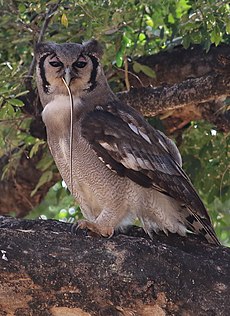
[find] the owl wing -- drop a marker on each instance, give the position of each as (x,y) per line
(132,148)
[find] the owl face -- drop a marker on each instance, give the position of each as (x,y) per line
(77,64)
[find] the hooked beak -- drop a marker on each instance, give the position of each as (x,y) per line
(68,76)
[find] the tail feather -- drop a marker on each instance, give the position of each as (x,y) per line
(202,226)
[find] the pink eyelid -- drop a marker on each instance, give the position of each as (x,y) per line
(54,59)
(81,58)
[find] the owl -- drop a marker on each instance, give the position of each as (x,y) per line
(122,168)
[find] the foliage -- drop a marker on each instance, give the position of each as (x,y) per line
(205,155)
(128,29)
(58,204)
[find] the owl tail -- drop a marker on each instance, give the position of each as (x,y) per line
(202,226)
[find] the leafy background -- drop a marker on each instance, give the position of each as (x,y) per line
(127,29)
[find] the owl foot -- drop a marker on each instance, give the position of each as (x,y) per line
(95,228)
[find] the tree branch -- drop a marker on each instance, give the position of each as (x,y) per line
(179,64)
(45,270)
(151,101)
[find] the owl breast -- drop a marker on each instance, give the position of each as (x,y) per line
(56,114)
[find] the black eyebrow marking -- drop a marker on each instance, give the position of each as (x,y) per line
(93,75)
(45,82)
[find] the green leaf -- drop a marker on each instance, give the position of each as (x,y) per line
(63,214)
(228,27)
(207,44)
(15,102)
(148,71)
(22,8)
(4,90)
(186,41)
(119,58)
(137,67)
(126,42)
(182,7)
(171,18)
(46,177)
(64,20)
(142,37)
(35,147)
(7,111)
(22,93)
(216,36)
(149,21)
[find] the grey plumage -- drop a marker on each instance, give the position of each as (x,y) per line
(123,168)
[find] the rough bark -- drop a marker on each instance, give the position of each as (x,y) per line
(151,101)
(192,99)
(46,270)
(176,65)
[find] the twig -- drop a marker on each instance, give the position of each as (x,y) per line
(131,73)
(126,73)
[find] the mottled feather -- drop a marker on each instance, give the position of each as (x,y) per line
(143,154)
(122,167)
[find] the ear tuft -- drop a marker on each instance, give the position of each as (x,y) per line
(44,47)
(93,47)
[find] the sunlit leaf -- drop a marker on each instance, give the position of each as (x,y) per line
(64,20)
(216,35)
(142,37)
(126,41)
(171,18)
(15,102)
(149,21)
(119,59)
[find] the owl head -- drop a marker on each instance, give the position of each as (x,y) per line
(78,64)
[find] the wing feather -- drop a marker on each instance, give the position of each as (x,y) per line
(133,148)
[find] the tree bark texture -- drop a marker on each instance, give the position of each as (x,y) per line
(151,101)
(178,64)
(46,270)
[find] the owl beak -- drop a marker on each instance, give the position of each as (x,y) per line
(67,76)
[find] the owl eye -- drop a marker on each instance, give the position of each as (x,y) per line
(56,64)
(79,64)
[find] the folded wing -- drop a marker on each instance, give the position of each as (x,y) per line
(132,148)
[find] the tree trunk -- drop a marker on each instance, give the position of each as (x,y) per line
(46,270)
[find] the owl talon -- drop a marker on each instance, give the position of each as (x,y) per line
(95,228)
(73,229)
